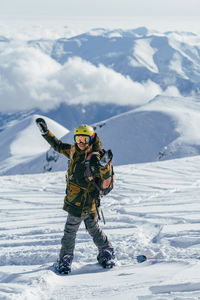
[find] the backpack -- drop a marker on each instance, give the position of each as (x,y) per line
(106,182)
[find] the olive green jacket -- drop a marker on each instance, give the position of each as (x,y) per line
(80,193)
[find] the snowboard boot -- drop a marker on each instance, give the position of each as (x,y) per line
(106,258)
(64,265)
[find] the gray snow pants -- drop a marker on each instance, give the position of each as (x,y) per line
(92,226)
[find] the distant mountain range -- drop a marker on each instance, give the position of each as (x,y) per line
(171,58)
(168,59)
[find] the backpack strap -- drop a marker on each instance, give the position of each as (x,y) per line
(89,171)
(91,179)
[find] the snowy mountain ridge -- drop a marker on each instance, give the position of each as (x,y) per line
(165,128)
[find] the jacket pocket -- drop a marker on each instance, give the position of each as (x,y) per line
(73,188)
(73,194)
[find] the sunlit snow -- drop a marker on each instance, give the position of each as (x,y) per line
(153,210)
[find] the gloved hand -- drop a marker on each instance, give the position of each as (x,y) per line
(42,125)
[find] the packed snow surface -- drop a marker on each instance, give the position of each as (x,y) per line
(153,210)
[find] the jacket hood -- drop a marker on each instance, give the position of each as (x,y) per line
(96,145)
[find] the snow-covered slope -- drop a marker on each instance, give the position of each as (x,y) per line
(69,116)
(165,128)
(21,142)
(153,210)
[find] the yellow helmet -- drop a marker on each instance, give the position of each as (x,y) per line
(85,130)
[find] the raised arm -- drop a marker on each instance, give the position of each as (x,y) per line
(55,143)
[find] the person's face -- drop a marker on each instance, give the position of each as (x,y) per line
(82,141)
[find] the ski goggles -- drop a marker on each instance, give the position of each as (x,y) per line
(85,139)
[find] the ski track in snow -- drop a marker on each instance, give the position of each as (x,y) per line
(153,210)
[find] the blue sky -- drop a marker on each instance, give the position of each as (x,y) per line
(99,7)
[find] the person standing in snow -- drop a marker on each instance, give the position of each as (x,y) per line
(81,194)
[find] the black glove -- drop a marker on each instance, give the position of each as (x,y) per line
(42,125)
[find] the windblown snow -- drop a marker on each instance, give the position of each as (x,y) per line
(153,210)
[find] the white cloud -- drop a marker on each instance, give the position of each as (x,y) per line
(31,79)
(172,91)
(86,83)
(24,73)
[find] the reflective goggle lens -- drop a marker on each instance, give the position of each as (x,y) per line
(82,139)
